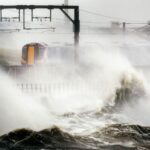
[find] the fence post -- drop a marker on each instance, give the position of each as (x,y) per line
(124,26)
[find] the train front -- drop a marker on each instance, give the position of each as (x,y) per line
(34,54)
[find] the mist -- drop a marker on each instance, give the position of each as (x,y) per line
(18,110)
(87,86)
(103,83)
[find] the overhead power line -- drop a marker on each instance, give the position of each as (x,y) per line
(106,16)
(96,22)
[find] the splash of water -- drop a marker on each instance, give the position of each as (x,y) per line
(102,75)
(18,110)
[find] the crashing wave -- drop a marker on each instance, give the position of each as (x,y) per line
(131,88)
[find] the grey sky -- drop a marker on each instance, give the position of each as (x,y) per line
(128,9)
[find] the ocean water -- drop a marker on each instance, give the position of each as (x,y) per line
(100,102)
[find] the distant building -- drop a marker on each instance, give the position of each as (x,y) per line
(115,24)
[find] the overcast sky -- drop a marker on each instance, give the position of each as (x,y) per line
(138,10)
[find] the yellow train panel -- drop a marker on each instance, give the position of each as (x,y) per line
(31,55)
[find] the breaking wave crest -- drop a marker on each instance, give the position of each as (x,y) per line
(131,89)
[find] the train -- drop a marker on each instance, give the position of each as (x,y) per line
(33,53)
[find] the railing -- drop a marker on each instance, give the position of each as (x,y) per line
(56,88)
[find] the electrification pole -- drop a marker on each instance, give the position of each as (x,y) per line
(66,3)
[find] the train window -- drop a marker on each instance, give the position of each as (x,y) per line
(24,53)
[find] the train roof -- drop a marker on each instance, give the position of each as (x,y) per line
(40,45)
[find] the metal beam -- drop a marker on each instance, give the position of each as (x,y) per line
(24,27)
(76,25)
(50,15)
(19,15)
(66,14)
(37,7)
(31,14)
(1,15)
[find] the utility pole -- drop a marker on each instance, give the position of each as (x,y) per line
(76,31)
(66,3)
(124,26)
(24,21)
(1,15)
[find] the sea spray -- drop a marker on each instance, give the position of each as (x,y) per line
(18,110)
(94,84)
